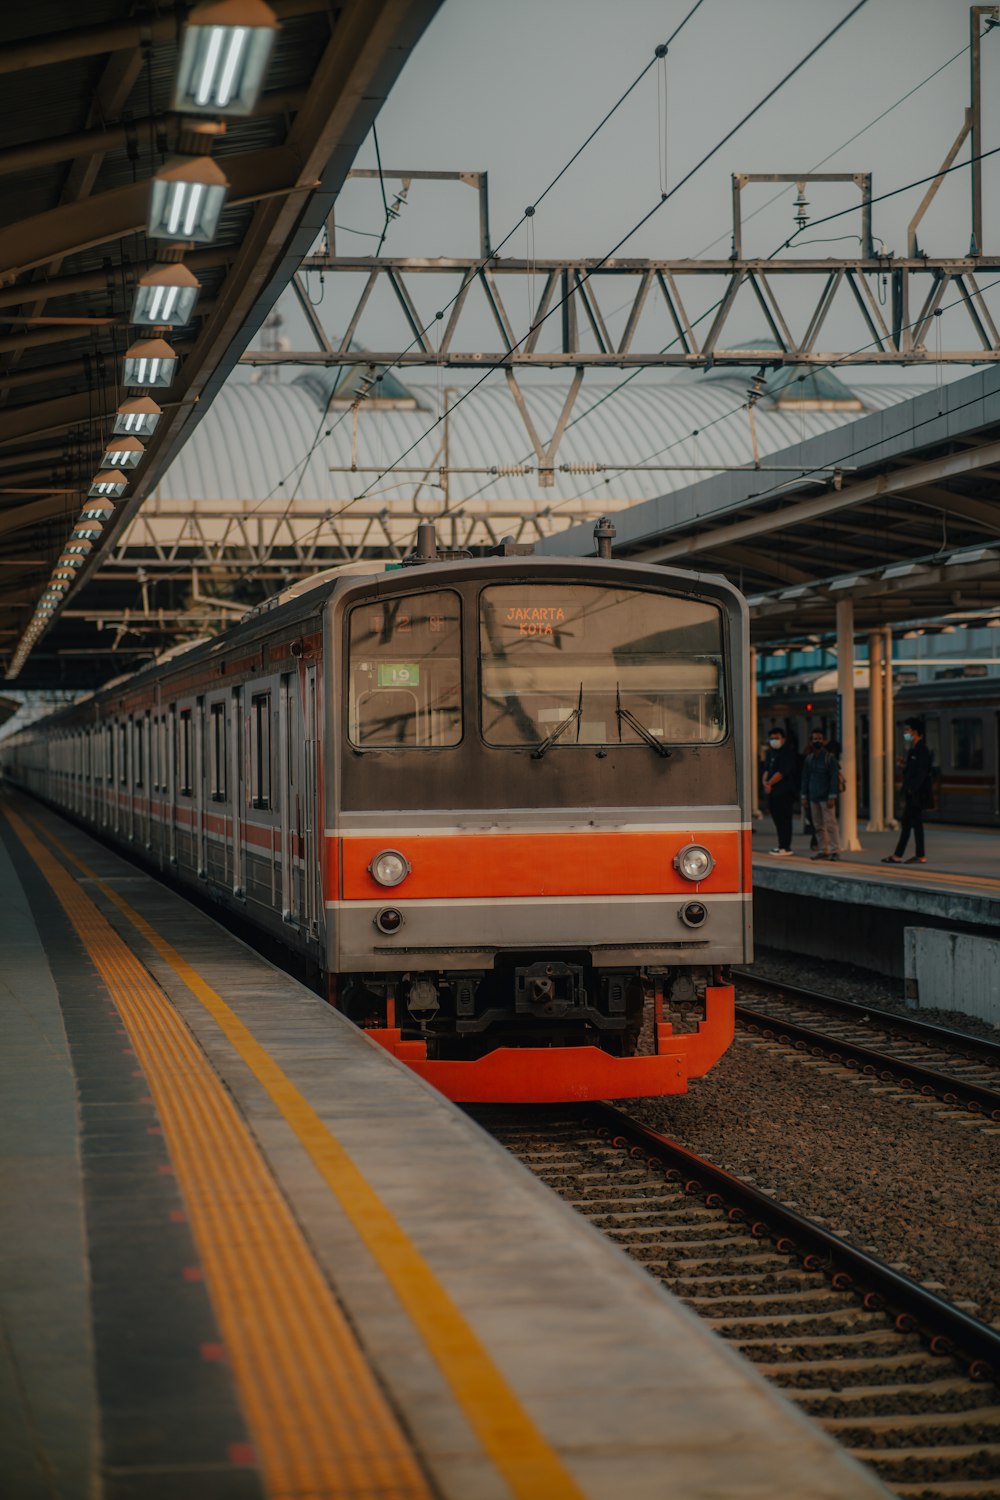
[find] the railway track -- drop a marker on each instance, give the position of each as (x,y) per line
(958,1069)
(906,1381)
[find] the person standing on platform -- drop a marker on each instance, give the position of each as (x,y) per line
(917,793)
(779,786)
(820,785)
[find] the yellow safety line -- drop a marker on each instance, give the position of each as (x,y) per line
(531,1467)
(860,869)
(319,1422)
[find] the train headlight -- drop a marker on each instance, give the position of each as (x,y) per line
(694,862)
(389,867)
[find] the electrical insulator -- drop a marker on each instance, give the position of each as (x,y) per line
(801,204)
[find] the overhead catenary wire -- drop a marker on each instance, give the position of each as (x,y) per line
(665,197)
(627,380)
(659,52)
(813,369)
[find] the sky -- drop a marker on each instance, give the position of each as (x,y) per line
(515,88)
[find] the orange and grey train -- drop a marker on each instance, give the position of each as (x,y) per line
(500,804)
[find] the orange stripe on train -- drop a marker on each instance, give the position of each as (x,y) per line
(485,865)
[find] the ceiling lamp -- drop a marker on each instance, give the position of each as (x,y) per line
(166,296)
(127,453)
(97,512)
(225,50)
(110,483)
(137,416)
(89,533)
(186,198)
(78,548)
(150,362)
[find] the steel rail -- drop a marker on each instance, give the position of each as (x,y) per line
(946,1086)
(911,1306)
(924,1031)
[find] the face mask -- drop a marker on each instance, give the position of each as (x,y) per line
(908,738)
(774,744)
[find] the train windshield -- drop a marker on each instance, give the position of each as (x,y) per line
(562,662)
(406,671)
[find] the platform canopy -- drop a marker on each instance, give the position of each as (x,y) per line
(89,116)
(899,511)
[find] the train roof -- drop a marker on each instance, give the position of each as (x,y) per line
(306,599)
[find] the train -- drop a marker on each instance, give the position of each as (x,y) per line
(498,805)
(961,717)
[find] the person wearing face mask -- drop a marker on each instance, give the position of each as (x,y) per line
(778,781)
(820,785)
(917,789)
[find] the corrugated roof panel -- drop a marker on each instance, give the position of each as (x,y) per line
(257,433)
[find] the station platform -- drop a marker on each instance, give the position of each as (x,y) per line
(796,898)
(246,1253)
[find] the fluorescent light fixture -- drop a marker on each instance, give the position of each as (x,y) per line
(89,533)
(97,512)
(109,482)
(127,453)
(78,549)
(225,50)
(63,575)
(847,582)
(165,297)
(971,555)
(150,362)
(186,198)
(67,561)
(137,417)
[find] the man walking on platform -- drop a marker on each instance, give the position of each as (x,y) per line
(779,784)
(820,785)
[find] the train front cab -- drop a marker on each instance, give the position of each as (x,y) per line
(537,859)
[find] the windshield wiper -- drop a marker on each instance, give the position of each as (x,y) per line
(625,715)
(560,729)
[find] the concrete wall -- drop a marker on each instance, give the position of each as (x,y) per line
(953,970)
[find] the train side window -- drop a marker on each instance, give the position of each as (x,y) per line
(217,757)
(260,750)
(184,753)
(123,754)
(967,748)
(137,753)
(406,672)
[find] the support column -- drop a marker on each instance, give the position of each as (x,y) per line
(889,733)
(876,735)
(847,725)
(754,738)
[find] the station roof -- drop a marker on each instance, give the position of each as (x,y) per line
(85,122)
(897,510)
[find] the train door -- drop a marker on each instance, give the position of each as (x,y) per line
(311,887)
(171,802)
(932,736)
(200,830)
(286,778)
(237,791)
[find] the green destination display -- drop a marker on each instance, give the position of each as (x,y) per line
(396,674)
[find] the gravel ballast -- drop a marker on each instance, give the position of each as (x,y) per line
(898,1176)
